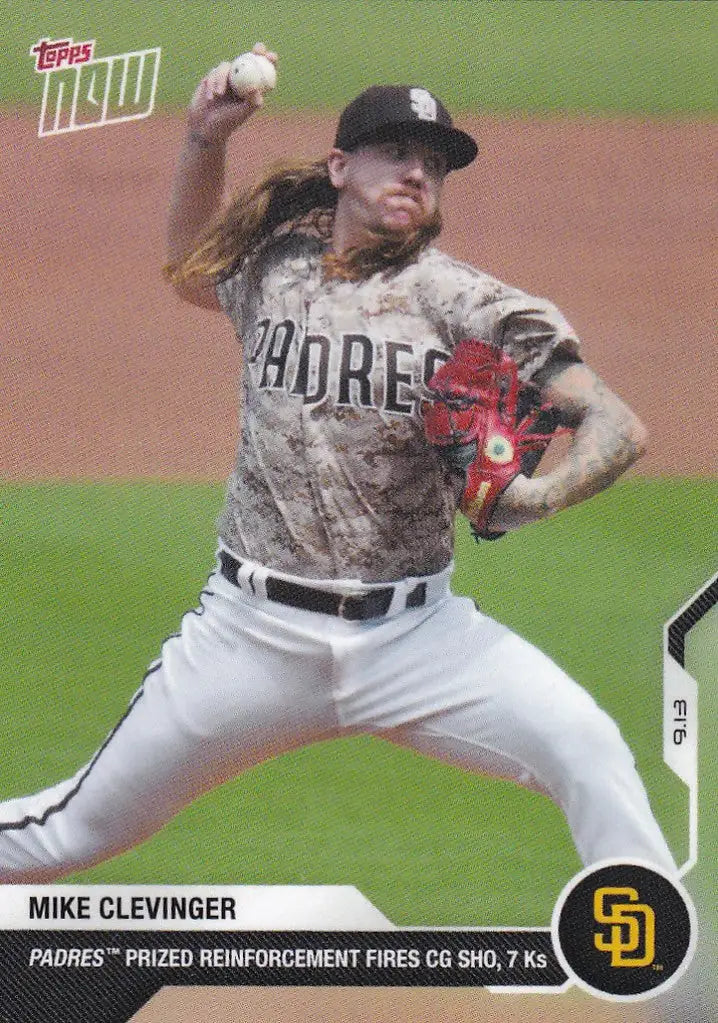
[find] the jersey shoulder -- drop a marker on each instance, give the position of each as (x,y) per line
(282,261)
(472,303)
(447,287)
(447,279)
(433,261)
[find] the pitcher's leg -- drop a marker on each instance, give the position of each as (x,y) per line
(121,796)
(217,702)
(508,710)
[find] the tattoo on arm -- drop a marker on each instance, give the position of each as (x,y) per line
(607,439)
(608,436)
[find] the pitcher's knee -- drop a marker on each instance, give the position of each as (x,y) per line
(589,745)
(40,847)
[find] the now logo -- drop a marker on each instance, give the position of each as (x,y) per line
(81,91)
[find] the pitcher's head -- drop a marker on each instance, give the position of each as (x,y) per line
(394,145)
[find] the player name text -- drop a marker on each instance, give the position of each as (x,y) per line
(133,907)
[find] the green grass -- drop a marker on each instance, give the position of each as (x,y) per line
(702,651)
(650,56)
(95,575)
(702,664)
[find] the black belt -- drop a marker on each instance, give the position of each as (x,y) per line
(356,607)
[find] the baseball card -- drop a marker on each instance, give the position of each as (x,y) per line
(358,488)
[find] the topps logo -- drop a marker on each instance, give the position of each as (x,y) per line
(61,52)
(81,91)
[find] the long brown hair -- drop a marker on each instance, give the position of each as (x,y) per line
(293,196)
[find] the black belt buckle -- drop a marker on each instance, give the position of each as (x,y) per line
(359,607)
(344,609)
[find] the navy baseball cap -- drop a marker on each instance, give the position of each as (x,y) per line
(385,112)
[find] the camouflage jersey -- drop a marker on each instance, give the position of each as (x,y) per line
(334,479)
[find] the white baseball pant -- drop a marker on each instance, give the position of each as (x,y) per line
(248,678)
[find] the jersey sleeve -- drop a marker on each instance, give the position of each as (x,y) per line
(231,295)
(528,328)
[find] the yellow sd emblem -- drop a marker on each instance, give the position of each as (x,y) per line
(631,927)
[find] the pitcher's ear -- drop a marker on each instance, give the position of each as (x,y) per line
(337,164)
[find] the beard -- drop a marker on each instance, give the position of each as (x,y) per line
(386,249)
(404,212)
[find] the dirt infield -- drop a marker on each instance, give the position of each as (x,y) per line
(107,374)
(383,1005)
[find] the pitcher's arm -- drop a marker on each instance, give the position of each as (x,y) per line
(198,185)
(608,438)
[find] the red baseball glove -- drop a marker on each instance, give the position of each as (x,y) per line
(487,425)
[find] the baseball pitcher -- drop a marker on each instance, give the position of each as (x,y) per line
(386,386)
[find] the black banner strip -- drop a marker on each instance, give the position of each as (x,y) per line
(682,625)
(75,976)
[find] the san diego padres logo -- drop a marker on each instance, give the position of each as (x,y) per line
(423,104)
(630,927)
(624,930)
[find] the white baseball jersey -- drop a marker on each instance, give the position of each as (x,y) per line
(334,477)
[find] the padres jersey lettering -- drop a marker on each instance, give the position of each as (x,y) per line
(353,385)
(332,460)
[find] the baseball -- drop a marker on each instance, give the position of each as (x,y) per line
(252,71)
